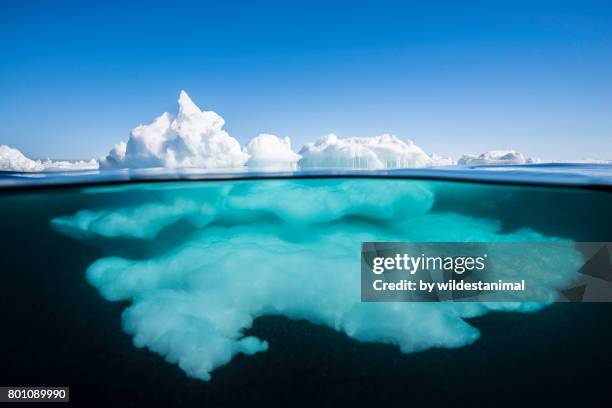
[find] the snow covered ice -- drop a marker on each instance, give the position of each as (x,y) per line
(270,152)
(379,152)
(497,157)
(13,160)
(195,138)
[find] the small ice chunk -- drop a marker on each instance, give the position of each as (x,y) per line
(271,152)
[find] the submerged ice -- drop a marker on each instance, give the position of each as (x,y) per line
(290,248)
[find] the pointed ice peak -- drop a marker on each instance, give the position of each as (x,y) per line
(196,138)
(193,138)
(186,105)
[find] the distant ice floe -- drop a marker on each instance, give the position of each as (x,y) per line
(584,161)
(13,160)
(282,247)
(497,157)
(513,157)
(441,161)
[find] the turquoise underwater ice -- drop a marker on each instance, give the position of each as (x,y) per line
(279,247)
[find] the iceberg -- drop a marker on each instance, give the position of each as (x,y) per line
(194,138)
(378,152)
(496,157)
(247,249)
(13,160)
(270,152)
(441,161)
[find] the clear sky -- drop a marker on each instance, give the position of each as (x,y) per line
(454,76)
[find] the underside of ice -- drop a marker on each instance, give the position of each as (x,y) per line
(13,160)
(289,248)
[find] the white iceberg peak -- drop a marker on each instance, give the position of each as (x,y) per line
(13,160)
(195,138)
(186,104)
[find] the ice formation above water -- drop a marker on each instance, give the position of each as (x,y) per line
(194,138)
(497,157)
(440,161)
(379,152)
(289,248)
(13,160)
(270,152)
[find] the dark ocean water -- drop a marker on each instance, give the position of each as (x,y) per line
(59,330)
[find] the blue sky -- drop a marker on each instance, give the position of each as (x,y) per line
(454,76)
